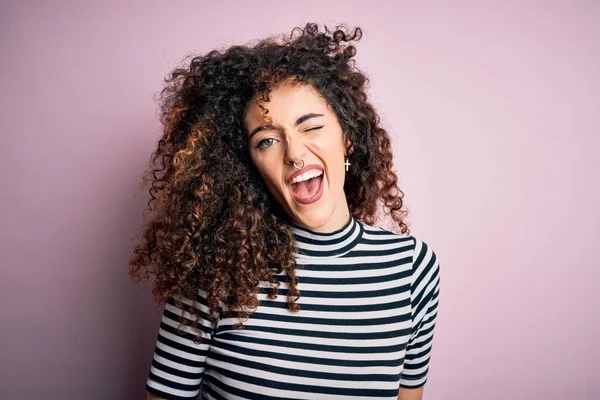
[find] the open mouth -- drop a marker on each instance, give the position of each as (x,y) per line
(307,188)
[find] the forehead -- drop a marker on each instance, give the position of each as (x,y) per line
(286,104)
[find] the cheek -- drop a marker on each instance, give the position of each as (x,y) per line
(336,170)
(269,175)
(260,166)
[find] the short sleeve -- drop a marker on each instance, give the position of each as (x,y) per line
(425,289)
(178,363)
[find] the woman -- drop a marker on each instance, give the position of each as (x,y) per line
(262,238)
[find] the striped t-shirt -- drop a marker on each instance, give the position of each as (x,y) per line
(368,301)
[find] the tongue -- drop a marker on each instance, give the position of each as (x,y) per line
(308,188)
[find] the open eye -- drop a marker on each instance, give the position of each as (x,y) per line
(259,145)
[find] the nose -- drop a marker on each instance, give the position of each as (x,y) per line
(295,152)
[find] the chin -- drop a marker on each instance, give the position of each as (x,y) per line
(314,217)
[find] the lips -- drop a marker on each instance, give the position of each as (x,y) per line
(303,170)
(319,192)
(310,198)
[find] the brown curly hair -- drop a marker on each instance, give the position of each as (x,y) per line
(212,223)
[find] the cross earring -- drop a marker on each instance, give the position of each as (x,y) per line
(347,164)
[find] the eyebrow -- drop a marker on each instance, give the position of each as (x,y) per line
(269,126)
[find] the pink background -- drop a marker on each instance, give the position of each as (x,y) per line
(494,112)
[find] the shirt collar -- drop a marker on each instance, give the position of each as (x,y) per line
(313,244)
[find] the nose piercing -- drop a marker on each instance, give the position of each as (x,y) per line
(299,167)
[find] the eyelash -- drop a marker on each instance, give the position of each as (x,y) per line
(308,130)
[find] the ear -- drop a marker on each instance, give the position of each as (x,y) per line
(349,146)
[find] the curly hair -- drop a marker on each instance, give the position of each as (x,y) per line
(212,225)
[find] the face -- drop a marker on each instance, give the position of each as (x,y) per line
(304,128)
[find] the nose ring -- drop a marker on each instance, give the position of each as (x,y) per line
(299,167)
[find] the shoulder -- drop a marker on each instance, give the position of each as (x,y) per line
(381,236)
(425,283)
(423,258)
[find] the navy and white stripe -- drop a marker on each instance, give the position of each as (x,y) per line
(368,309)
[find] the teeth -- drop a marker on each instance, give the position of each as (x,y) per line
(307,175)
